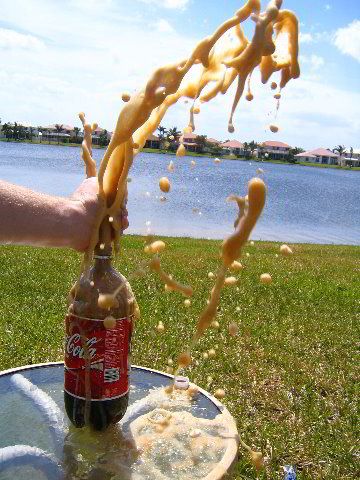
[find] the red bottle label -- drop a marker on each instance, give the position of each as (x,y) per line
(97,359)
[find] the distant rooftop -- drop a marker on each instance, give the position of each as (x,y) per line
(213,140)
(323,152)
(232,144)
(272,143)
(305,154)
(189,136)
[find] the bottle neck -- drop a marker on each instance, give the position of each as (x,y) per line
(103,249)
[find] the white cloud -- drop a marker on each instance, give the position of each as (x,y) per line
(328,7)
(347,39)
(314,61)
(174,4)
(306,37)
(13,39)
(164,26)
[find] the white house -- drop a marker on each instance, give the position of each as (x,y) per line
(233,147)
(350,158)
(275,150)
(319,155)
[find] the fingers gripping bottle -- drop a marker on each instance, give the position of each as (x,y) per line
(97,344)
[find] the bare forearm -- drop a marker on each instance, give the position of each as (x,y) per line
(32,218)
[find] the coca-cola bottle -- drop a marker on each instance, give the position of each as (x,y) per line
(97,346)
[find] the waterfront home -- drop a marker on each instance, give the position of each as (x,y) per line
(233,147)
(98,135)
(319,155)
(274,150)
(152,142)
(211,143)
(351,158)
(190,143)
(51,133)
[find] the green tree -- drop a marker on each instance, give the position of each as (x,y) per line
(246,148)
(294,151)
(59,129)
(7,129)
(31,133)
(351,152)
(103,138)
(341,149)
(76,132)
(201,142)
(252,147)
(162,135)
(173,132)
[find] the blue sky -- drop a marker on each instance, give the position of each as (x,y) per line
(59,58)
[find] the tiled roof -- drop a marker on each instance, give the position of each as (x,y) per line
(323,152)
(64,127)
(232,144)
(271,143)
(153,138)
(305,154)
(212,140)
(188,136)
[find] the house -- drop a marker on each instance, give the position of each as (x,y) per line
(189,141)
(233,147)
(319,155)
(275,150)
(97,135)
(211,143)
(152,142)
(51,133)
(350,158)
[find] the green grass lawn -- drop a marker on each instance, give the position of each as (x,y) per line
(289,374)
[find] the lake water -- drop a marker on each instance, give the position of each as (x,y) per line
(303,205)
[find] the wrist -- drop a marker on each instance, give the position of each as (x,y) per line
(77,227)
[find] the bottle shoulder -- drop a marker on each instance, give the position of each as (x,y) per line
(84,300)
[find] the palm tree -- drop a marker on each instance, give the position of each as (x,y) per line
(351,152)
(59,129)
(162,135)
(252,147)
(76,132)
(173,132)
(246,148)
(341,149)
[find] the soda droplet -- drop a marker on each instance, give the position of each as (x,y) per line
(184,359)
(219,393)
(273,85)
(109,323)
(236,266)
(106,301)
(285,250)
(164,184)
(125,97)
(233,329)
(265,278)
(187,303)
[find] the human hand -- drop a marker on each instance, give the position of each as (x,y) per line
(86,207)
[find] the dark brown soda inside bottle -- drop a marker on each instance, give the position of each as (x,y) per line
(97,359)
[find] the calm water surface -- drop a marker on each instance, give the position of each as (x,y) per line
(304,204)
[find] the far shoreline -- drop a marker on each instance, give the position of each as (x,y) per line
(192,154)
